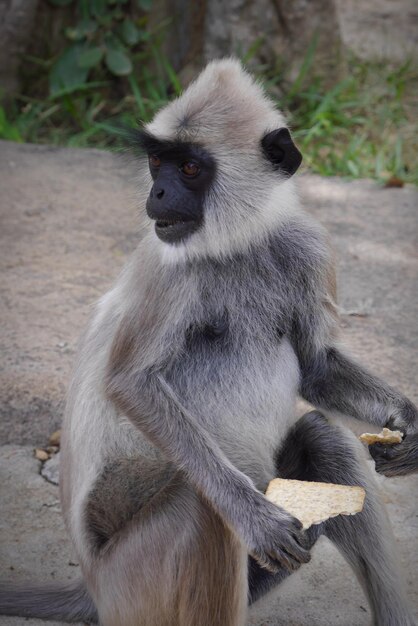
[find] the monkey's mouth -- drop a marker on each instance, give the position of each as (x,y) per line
(175,229)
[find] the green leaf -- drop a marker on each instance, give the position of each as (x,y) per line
(94,85)
(130,33)
(7,130)
(118,14)
(73,34)
(145,5)
(112,42)
(81,30)
(98,8)
(90,57)
(138,96)
(353,168)
(171,74)
(66,72)
(118,62)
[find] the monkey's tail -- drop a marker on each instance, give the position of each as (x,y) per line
(69,602)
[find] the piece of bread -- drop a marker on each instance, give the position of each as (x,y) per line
(386,436)
(312,502)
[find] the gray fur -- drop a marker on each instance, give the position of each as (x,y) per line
(397,460)
(186,386)
(67,602)
(333,381)
(317,450)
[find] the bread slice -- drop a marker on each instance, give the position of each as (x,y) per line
(312,502)
(386,436)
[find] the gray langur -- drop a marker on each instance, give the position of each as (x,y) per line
(182,407)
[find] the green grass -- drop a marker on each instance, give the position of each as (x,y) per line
(364,126)
(90,115)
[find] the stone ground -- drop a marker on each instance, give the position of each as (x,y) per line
(68,221)
(380,29)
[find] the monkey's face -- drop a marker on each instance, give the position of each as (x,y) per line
(183,176)
(182,173)
(220,158)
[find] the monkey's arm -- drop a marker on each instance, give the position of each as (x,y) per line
(273,536)
(333,381)
(330,379)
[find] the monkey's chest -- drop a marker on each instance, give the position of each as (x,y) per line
(241,384)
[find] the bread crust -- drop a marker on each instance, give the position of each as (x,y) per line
(314,502)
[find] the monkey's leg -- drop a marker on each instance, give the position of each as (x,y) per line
(175,563)
(316,450)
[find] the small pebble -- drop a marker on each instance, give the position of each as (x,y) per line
(41,455)
(55,438)
(50,469)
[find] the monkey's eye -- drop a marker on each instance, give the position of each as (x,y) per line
(190,169)
(154,161)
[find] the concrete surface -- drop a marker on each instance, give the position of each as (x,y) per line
(383,30)
(67,223)
(33,540)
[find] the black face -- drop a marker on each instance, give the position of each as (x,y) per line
(182,173)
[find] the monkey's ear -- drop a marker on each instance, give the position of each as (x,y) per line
(281,151)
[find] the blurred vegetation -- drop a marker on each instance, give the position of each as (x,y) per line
(101,79)
(113,72)
(364,126)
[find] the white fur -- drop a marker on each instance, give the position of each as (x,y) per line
(227,111)
(242,228)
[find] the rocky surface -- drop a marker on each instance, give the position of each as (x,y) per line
(50,469)
(68,221)
(379,29)
(33,541)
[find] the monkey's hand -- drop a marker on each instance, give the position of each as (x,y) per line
(402,458)
(273,536)
(404,417)
(396,460)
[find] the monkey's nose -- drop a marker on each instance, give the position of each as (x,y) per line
(159,193)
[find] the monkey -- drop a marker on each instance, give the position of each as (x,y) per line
(182,406)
